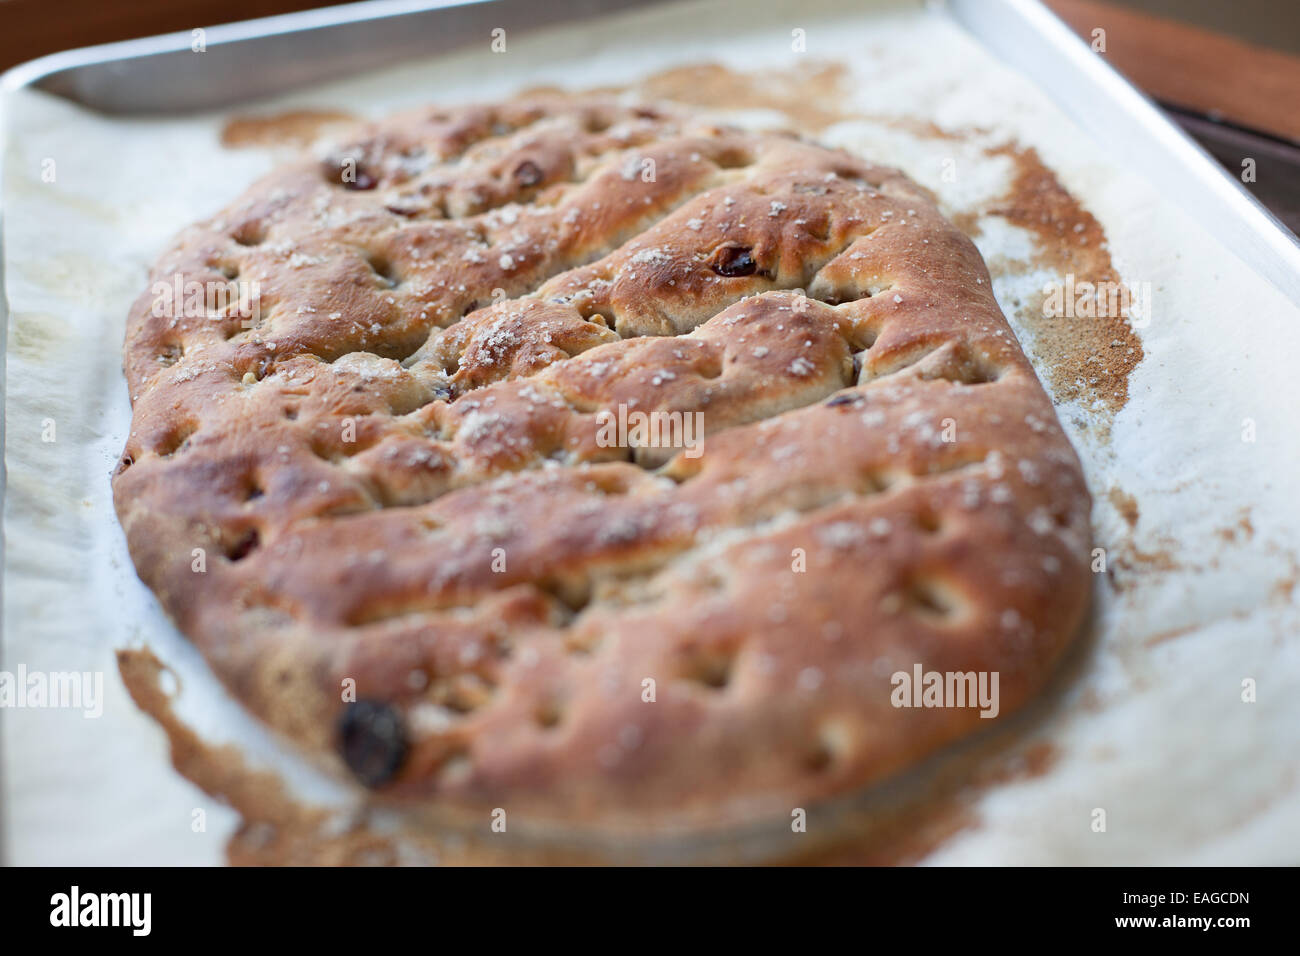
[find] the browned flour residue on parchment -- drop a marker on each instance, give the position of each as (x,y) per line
(294,128)
(1087,358)
(1131,562)
(909,832)
(1241,530)
(1125,504)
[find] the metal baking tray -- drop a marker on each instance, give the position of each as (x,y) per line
(256,58)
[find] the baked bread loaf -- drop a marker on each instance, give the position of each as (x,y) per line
(387,507)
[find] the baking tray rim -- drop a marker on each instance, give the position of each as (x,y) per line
(31,73)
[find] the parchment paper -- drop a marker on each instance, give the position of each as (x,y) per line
(1149,723)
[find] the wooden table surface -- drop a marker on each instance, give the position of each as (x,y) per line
(1239,98)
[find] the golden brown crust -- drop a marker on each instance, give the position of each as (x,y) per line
(396,475)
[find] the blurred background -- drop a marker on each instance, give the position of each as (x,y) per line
(1227,70)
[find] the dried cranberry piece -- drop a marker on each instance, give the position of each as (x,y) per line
(734,261)
(372,741)
(849,399)
(528,173)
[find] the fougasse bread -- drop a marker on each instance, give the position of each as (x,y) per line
(401,505)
